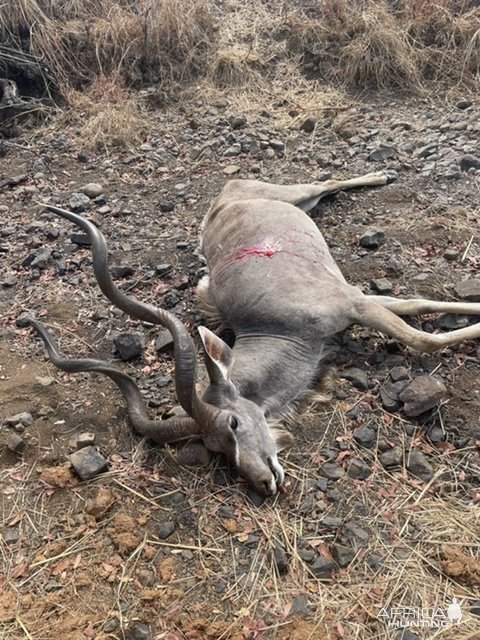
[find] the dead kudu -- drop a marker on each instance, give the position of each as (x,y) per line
(274,284)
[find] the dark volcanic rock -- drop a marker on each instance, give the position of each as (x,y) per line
(372,239)
(358,470)
(391,458)
(128,345)
(419,466)
(323,568)
(281,559)
(422,394)
(365,436)
(332,471)
(342,554)
(357,377)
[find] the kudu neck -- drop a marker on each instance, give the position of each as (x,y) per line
(272,370)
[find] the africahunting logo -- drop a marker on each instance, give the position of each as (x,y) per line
(430,617)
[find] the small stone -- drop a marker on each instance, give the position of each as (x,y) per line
(233,150)
(9,281)
(469,161)
(122,271)
(451,321)
(307,555)
(309,124)
(358,470)
(468,289)
(92,190)
(365,436)
(301,607)
(79,202)
(372,239)
(24,418)
(323,568)
(128,345)
(382,285)
(40,259)
(422,394)
(45,381)
(139,631)
(399,373)
(164,341)
(88,462)
(11,535)
(231,169)
(85,439)
(391,458)
(255,497)
(357,536)
(165,529)
(382,153)
(331,522)
(166,205)
(389,395)
(419,466)
(464,104)
(182,244)
(281,559)
(278,145)
(237,122)
(111,625)
(342,555)
(194,454)
(80,239)
(451,254)
(357,377)
(15,443)
(332,471)
(163,269)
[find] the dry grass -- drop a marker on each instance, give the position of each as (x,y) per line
(378,44)
(106,115)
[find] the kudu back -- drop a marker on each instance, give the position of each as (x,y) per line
(273,283)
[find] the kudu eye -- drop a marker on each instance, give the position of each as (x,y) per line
(233,423)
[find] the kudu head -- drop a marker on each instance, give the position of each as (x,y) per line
(238,427)
(227,422)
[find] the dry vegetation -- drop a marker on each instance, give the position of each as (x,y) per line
(252,51)
(362,43)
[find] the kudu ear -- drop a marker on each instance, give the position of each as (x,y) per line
(218,357)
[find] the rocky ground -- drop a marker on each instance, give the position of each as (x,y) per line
(382,503)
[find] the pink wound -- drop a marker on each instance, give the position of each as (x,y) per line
(260,250)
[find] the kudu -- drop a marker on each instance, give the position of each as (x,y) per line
(273,282)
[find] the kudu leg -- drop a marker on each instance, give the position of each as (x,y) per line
(417,307)
(304,196)
(369,313)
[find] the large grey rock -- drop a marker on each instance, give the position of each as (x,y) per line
(422,394)
(468,289)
